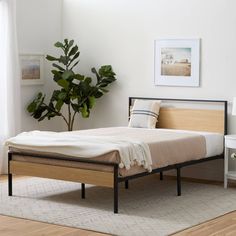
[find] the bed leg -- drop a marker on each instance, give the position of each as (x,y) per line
(161,175)
(178,182)
(82,190)
(9,184)
(126,184)
(115,187)
(9,175)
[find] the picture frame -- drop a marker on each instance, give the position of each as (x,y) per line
(177,62)
(32,69)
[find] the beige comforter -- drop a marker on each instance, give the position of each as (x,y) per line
(166,148)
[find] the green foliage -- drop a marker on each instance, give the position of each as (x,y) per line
(76,91)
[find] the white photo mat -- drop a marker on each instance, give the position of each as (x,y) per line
(177,62)
(31,69)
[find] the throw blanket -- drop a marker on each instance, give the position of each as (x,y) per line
(84,146)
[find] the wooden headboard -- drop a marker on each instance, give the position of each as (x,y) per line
(171,117)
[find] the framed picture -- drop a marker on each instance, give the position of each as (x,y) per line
(177,62)
(31,69)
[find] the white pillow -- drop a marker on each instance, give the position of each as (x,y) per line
(144,113)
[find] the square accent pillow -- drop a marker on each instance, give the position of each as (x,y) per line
(144,113)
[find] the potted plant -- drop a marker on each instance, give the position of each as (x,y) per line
(77,92)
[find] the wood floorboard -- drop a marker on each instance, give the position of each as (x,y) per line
(223,225)
(11,226)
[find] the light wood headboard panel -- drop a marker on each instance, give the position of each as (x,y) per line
(192,119)
(172,117)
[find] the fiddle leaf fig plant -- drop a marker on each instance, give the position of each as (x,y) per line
(75,91)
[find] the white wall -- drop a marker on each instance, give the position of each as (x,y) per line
(122,33)
(38,28)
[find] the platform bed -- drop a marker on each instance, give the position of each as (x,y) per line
(212,120)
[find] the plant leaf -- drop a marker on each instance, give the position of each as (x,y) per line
(73,50)
(96,73)
(59,104)
(92,101)
(84,111)
(32,107)
(57,75)
(63,83)
(54,96)
(64,60)
(59,45)
(78,76)
(74,57)
(58,67)
(51,58)
(98,94)
(39,111)
(62,95)
(88,80)
(106,71)
(70,43)
(74,65)
(66,74)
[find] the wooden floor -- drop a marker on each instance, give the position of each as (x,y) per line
(10,226)
(223,225)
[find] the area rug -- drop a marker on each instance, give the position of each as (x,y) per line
(148,207)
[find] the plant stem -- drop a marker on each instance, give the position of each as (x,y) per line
(64,119)
(69,114)
(73,119)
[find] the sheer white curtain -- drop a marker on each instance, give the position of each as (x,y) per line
(10,102)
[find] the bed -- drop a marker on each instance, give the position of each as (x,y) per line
(191,136)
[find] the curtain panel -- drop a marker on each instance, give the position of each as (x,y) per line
(10,100)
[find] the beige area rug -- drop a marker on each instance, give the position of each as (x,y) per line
(149,207)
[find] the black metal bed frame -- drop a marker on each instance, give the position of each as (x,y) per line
(117,178)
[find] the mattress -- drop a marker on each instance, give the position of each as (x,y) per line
(167,147)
